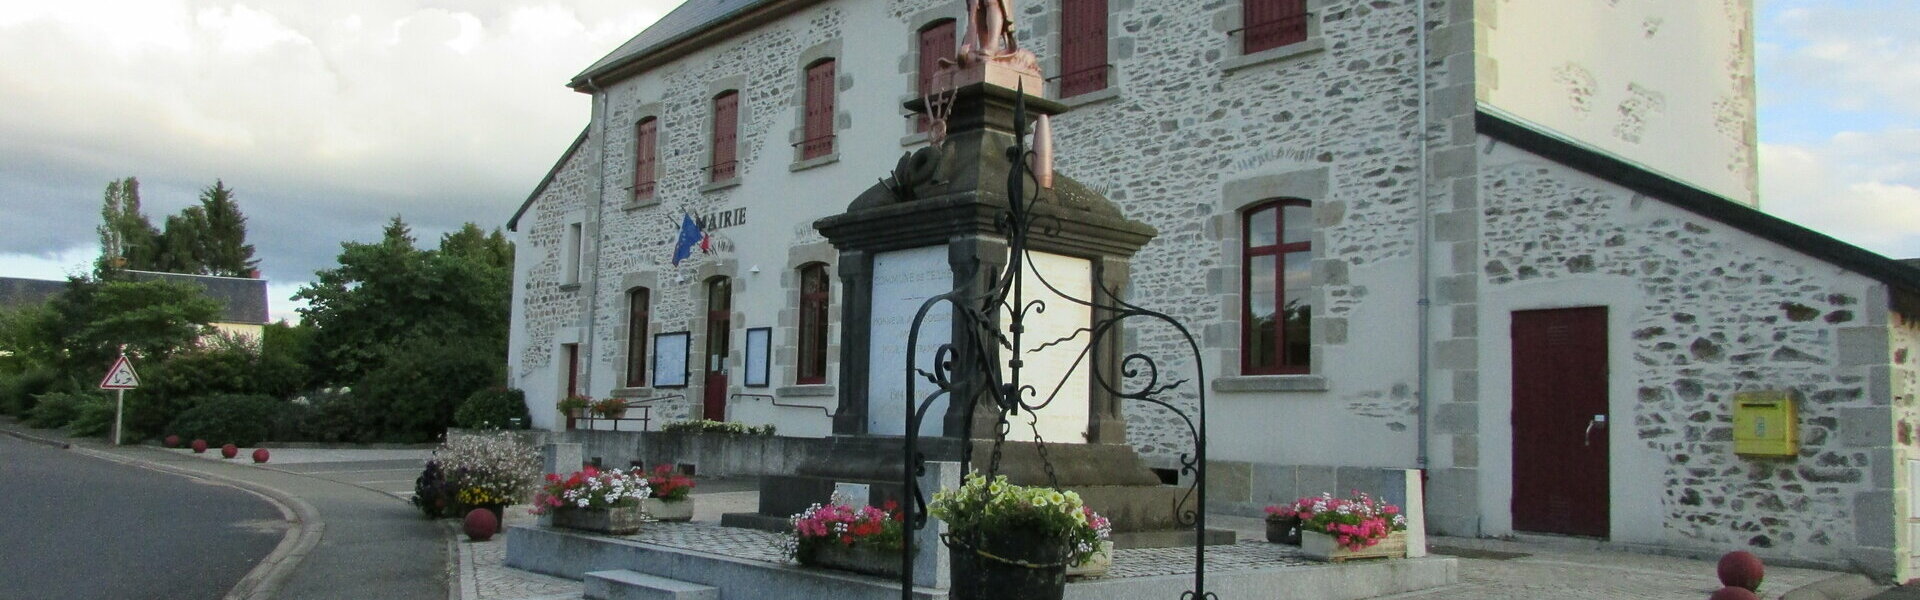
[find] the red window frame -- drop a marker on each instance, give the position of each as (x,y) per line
(1269,24)
(726,127)
(637,308)
(1276,351)
(814,293)
(937,42)
(1083,47)
(646,157)
(817,134)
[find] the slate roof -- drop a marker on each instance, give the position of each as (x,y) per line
(16,292)
(1903,276)
(241,300)
(691,18)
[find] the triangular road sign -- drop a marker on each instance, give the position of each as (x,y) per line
(121,376)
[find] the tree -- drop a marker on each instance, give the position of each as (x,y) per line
(182,244)
(88,322)
(127,239)
(224,249)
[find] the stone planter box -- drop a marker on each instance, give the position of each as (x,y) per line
(1096,565)
(619,520)
(858,558)
(1322,546)
(661,510)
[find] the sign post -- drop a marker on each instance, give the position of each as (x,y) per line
(120,378)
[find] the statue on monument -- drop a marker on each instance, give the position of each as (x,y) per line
(990,37)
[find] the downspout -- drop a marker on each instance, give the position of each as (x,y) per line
(1425,244)
(599,200)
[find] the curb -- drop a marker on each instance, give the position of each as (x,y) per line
(38,440)
(1850,586)
(266,578)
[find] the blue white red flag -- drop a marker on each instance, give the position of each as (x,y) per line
(690,235)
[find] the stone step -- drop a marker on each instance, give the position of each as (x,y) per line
(621,584)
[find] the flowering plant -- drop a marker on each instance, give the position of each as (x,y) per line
(839,523)
(710,426)
(669,486)
(591,488)
(488,468)
(572,403)
(1355,523)
(995,506)
(607,407)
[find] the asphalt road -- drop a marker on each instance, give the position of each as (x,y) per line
(72,526)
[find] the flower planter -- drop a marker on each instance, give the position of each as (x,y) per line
(1284,530)
(1010,565)
(1322,546)
(619,520)
(662,510)
(858,558)
(1096,565)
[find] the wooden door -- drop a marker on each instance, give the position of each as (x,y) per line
(572,352)
(719,328)
(1560,421)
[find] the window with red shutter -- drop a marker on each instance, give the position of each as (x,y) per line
(726,125)
(819,123)
(1276,277)
(637,337)
(1269,24)
(813,325)
(646,155)
(936,43)
(1083,46)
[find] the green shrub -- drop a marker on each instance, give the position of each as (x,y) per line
(55,410)
(236,419)
(94,418)
(419,385)
(17,392)
(492,408)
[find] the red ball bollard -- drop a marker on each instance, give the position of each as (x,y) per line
(229,451)
(1742,569)
(199,446)
(172,441)
(480,525)
(260,455)
(1734,593)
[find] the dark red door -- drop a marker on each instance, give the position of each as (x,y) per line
(1560,421)
(719,328)
(572,352)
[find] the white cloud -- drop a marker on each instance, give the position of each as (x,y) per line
(1860,188)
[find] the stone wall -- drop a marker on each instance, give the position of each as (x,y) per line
(1704,312)
(542,308)
(1903,383)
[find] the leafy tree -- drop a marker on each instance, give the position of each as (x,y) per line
(127,239)
(424,380)
(206,239)
(182,244)
(89,321)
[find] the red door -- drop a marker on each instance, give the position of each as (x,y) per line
(572,352)
(719,321)
(1560,421)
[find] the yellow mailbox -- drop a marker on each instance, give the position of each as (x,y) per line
(1765,424)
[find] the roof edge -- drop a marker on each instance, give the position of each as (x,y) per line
(744,18)
(1543,142)
(513,224)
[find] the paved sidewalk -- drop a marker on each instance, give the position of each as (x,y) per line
(348,542)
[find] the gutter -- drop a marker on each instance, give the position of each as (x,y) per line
(599,203)
(1424,306)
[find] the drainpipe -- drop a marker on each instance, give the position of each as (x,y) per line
(1425,247)
(599,200)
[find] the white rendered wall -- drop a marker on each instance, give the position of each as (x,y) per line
(1664,83)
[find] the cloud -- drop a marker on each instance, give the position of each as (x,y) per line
(327,118)
(1861,188)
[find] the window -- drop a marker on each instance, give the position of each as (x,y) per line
(1269,24)
(1083,46)
(813,325)
(637,337)
(818,130)
(570,255)
(936,43)
(1277,263)
(646,157)
(726,124)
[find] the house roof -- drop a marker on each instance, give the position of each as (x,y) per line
(513,224)
(1903,276)
(241,300)
(16,292)
(691,20)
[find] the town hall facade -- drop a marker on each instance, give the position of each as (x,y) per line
(1511,244)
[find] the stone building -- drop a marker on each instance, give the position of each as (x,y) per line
(1462,237)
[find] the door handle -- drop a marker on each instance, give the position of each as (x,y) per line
(1586,439)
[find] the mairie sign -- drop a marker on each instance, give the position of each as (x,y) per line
(121,376)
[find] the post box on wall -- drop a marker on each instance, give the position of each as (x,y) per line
(1765,423)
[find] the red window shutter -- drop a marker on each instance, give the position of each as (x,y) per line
(813,325)
(645,158)
(637,338)
(819,124)
(1083,52)
(936,43)
(726,125)
(1273,23)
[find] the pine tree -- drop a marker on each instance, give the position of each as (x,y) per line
(224,249)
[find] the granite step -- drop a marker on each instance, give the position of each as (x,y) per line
(621,584)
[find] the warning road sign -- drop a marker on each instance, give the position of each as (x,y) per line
(121,376)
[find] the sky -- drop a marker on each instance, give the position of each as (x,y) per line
(328,118)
